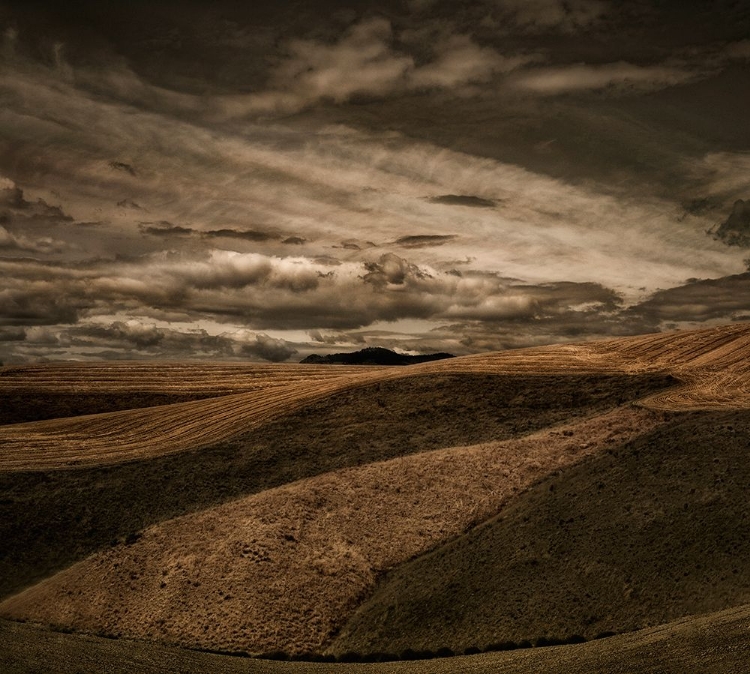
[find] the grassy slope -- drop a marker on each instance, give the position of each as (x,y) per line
(285,569)
(48,520)
(58,390)
(652,531)
(710,644)
(29,405)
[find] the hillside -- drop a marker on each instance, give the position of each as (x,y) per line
(640,535)
(373,355)
(711,364)
(284,568)
(716,643)
(570,489)
(52,518)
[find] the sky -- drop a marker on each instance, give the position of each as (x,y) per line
(262,181)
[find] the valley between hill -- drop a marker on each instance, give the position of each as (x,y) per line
(574,489)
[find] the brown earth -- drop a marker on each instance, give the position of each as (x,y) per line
(712,363)
(50,519)
(285,568)
(716,643)
(639,535)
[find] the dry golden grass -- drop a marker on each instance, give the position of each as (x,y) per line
(161,377)
(285,568)
(133,435)
(714,365)
(708,644)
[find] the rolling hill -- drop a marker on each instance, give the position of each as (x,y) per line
(571,489)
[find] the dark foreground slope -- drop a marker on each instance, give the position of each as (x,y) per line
(710,644)
(647,533)
(50,519)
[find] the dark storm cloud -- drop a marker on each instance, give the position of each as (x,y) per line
(163,117)
(424,240)
(735,230)
(13,334)
(40,304)
(165,228)
(700,205)
(129,204)
(700,300)
(281,293)
(122,166)
(14,203)
(133,339)
(463,200)
(243,234)
(268,348)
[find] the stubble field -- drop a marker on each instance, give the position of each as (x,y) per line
(516,497)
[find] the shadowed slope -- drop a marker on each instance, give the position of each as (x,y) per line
(637,536)
(50,519)
(713,363)
(712,644)
(55,390)
(284,568)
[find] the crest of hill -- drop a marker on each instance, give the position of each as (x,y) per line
(373,355)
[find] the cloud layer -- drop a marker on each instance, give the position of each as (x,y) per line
(426,176)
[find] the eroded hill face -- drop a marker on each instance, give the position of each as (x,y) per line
(300,493)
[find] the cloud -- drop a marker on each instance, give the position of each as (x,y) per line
(130,204)
(122,166)
(164,228)
(539,16)
(617,77)
(14,334)
(45,245)
(391,269)
(365,62)
(424,240)
(12,199)
(735,230)
(738,50)
(696,302)
(243,234)
(136,338)
(461,61)
(268,348)
(463,200)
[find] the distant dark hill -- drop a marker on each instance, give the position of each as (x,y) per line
(644,534)
(372,355)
